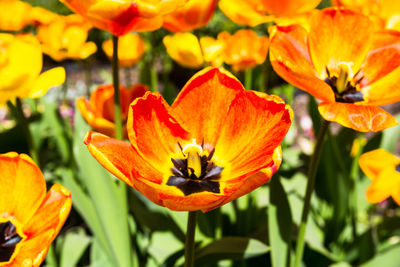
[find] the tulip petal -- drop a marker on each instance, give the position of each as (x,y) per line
(337,36)
(358,117)
(153,131)
(255,126)
(256,180)
(21,196)
(243,12)
(384,185)
(288,7)
(192,108)
(46,80)
(373,162)
(52,213)
(33,251)
(119,158)
(290,58)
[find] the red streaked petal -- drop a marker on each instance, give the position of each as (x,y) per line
(358,117)
(256,125)
(153,131)
(254,181)
(290,58)
(22,186)
(339,35)
(120,158)
(203,103)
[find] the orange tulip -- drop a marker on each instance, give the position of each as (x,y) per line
(14,15)
(343,62)
(254,12)
(195,14)
(99,110)
(122,16)
(244,49)
(65,38)
(386,13)
(383,168)
(215,143)
(29,219)
(131,48)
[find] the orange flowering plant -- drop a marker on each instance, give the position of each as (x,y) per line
(244,49)
(253,12)
(122,16)
(198,154)
(30,219)
(193,15)
(99,110)
(351,81)
(383,168)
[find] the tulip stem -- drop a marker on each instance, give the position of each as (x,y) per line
(117,97)
(248,77)
(189,243)
(19,115)
(311,175)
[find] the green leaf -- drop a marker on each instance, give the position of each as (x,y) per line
(231,248)
(108,197)
(389,257)
(279,224)
(74,245)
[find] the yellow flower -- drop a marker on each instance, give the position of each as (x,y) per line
(187,51)
(20,67)
(65,38)
(14,15)
(130,49)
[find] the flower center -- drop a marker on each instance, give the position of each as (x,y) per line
(398,167)
(195,172)
(344,84)
(9,239)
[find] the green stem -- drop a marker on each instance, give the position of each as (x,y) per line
(19,115)
(353,192)
(248,76)
(117,99)
(153,78)
(189,243)
(311,175)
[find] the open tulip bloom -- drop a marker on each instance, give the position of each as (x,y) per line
(215,143)
(30,219)
(343,62)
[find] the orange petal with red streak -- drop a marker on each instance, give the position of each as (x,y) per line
(290,58)
(339,35)
(192,106)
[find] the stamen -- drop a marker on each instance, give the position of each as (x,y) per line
(398,167)
(9,239)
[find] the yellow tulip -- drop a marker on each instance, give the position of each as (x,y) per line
(130,49)
(14,15)
(20,66)
(188,51)
(65,38)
